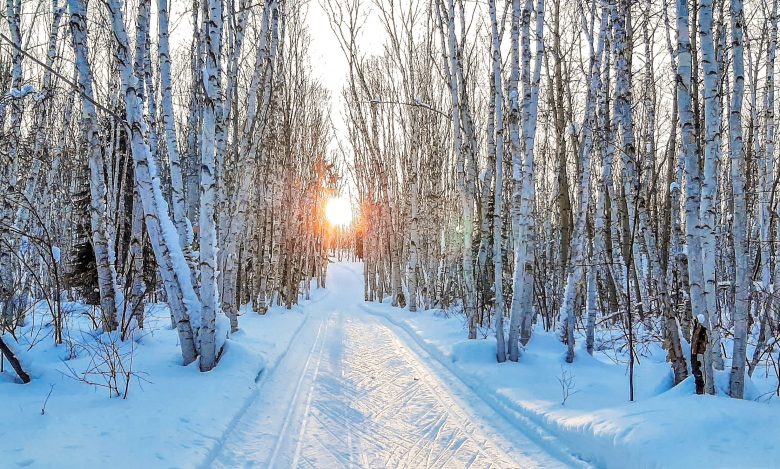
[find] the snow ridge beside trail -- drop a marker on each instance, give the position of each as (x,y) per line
(262,374)
(174,416)
(260,379)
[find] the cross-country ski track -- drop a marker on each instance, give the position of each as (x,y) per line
(353,390)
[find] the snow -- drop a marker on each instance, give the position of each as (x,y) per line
(337,382)
(57,253)
(355,392)
(670,428)
(19,93)
(173,416)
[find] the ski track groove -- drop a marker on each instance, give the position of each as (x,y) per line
(288,415)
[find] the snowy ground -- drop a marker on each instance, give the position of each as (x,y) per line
(338,382)
(358,393)
(665,428)
(174,417)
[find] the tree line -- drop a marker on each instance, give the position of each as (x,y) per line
(577,165)
(137,170)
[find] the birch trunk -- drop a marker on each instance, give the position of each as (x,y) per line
(460,150)
(208,188)
(184,303)
(11,163)
(741,253)
(692,188)
(515,319)
(183,227)
(258,101)
(712,125)
(498,196)
(101,242)
(579,238)
(523,297)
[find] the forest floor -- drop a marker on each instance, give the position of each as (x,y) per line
(337,382)
(583,408)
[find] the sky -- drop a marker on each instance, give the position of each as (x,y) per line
(328,61)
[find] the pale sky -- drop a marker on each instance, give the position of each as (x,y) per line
(328,61)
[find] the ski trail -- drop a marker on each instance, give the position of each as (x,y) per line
(352,393)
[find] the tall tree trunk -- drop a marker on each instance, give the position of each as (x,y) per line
(498,196)
(184,303)
(208,188)
(692,183)
(741,253)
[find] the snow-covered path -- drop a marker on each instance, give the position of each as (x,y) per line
(353,391)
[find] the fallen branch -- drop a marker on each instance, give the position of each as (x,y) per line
(6,351)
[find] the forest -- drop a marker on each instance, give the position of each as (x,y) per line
(563,184)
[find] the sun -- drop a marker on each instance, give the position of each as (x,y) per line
(338,211)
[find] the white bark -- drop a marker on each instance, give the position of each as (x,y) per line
(498,196)
(258,101)
(579,238)
(517,185)
(184,303)
(460,150)
(692,181)
(712,124)
(208,188)
(102,243)
(741,253)
(523,172)
(169,124)
(10,163)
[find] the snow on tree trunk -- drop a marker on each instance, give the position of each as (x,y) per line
(169,125)
(102,243)
(184,303)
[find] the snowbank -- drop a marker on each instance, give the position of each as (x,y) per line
(174,416)
(669,428)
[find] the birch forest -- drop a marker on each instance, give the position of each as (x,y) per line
(603,172)
(607,164)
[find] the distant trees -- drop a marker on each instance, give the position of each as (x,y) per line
(564,165)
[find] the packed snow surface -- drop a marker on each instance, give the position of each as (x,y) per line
(359,393)
(337,382)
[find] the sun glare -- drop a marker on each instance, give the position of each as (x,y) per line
(338,211)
